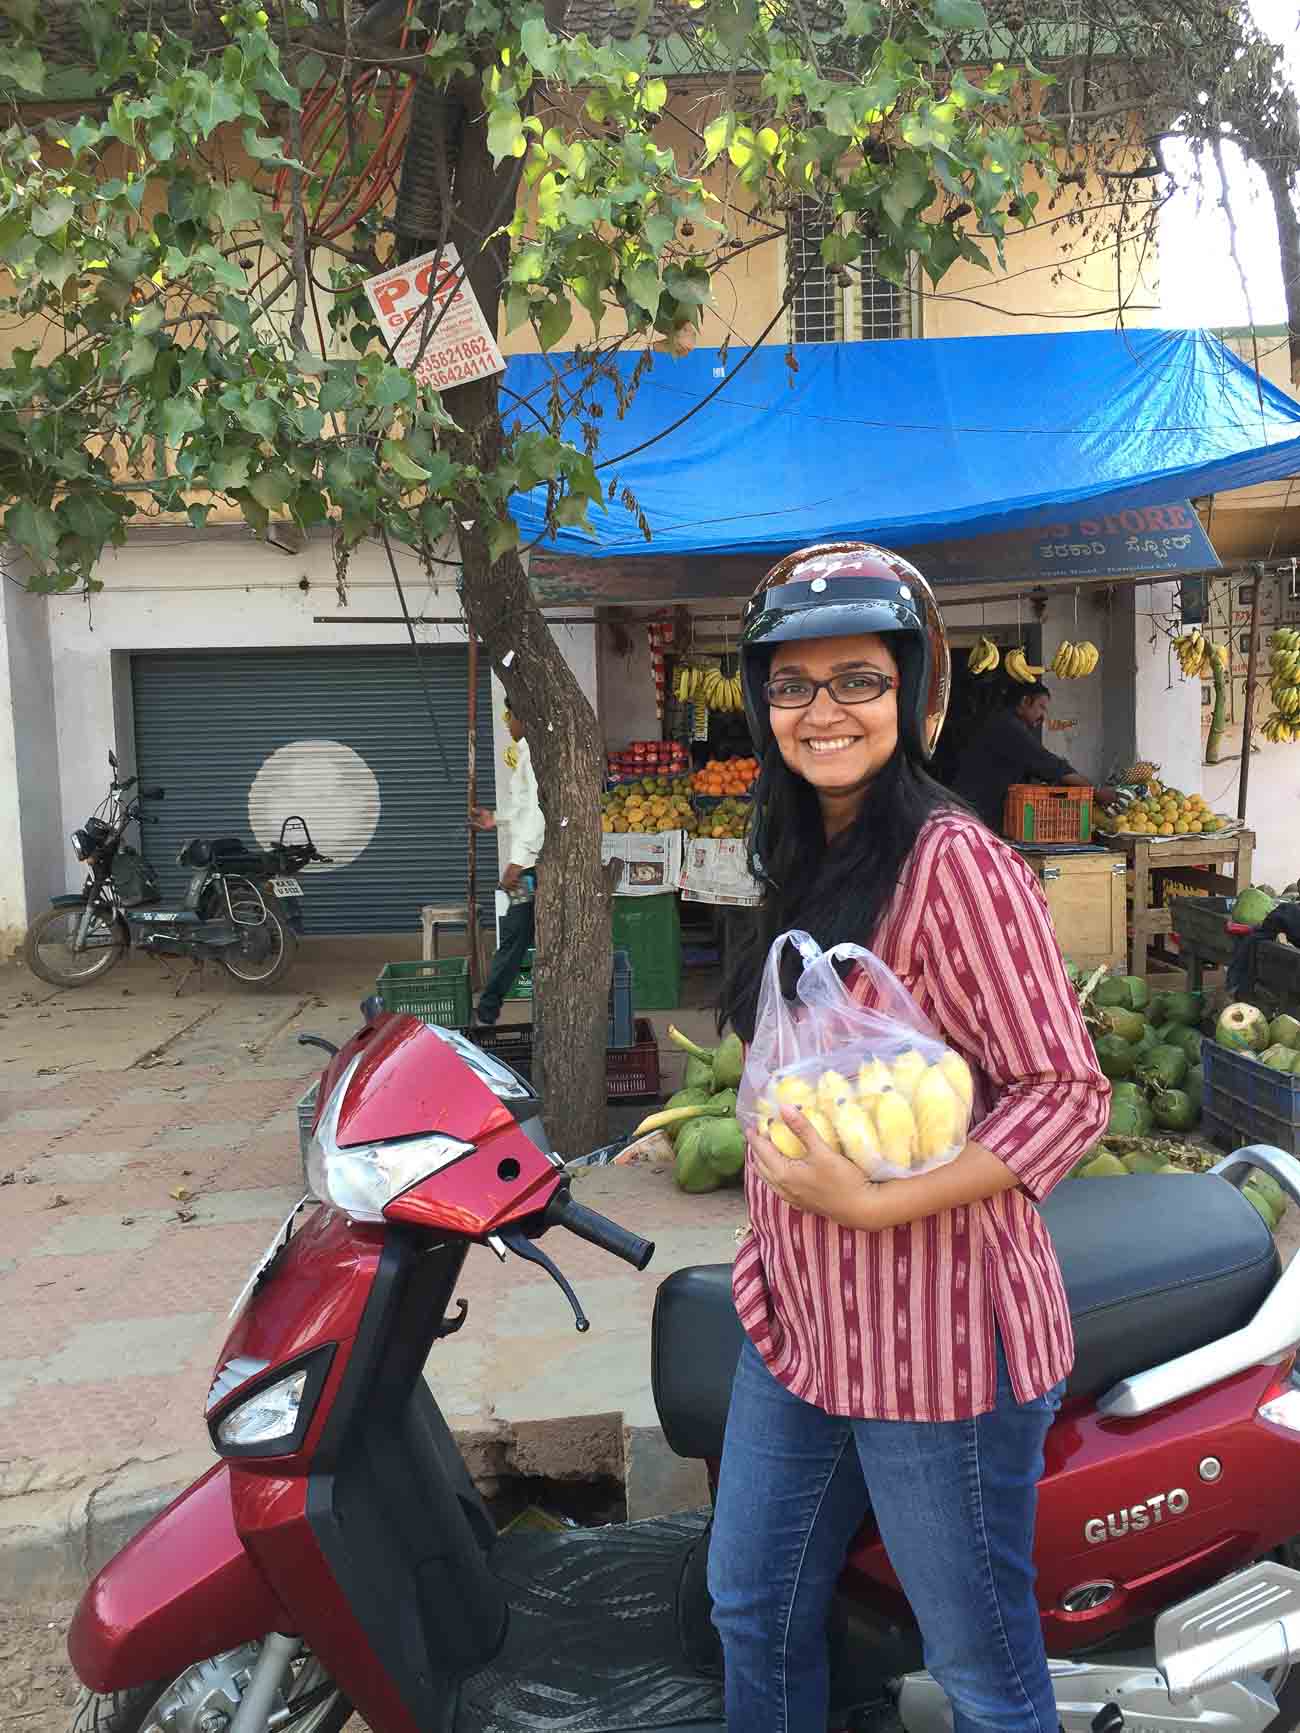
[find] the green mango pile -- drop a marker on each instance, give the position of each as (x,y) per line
(707,1139)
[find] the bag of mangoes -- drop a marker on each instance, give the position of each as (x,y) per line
(879,1085)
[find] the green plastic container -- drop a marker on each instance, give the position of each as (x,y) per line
(649,929)
(436,992)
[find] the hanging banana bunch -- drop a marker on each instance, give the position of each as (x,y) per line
(1074,661)
(708,686)
(1020,670)
(1284,687)
(1195,651)
(984,658)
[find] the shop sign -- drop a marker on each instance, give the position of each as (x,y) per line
(1152,538)
(408,297)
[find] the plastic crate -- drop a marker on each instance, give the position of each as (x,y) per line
(1246,1102)
(1036,812)
(620,996)
(436,991)
(1199,921)
(649,930)
(631,1072)
(1275,971)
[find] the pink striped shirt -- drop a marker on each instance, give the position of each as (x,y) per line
(899,1325)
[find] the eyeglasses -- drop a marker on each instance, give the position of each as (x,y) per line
(860,687)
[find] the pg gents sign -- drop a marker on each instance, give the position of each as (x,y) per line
(427,292)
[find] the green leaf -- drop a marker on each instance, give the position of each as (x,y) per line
(555,318)
(395,385)
(308,70)
(654,95)
(505,134)
(139,359)
(198,515)
(401,464)
(162,143)
(502,536)
(179,416)
(528,266)
(80,135)
(229,470)
(215,103)
(518,307)
(717,135)
(338,392)
(841,249)
(233,204)
(861,17)
(571,512)
(273,488)
(642,284)
(260,148)
(960,15)
(55,214)
(259,417)
(24,67)
(658,230)
(35,528)
(691,288)
(907,187)
(538,44)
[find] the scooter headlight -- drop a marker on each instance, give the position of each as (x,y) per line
(273,1419)
(361,1178)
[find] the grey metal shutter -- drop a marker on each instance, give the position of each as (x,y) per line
(342,737)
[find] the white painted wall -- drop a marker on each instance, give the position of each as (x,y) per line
(627,682)
(178,591)
(29,783)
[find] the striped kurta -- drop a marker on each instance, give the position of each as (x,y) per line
(900,1324)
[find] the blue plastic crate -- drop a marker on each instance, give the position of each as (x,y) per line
(1246,1102)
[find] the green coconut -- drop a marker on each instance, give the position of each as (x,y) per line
(1139,994)
(1138,1161)
(1173,1110)
(1183,1008)
(1284,1031)
(1254,1196)
(1253,905)
(1243,1028)
(1189,1040)
(687,1098)
(729,1063)
(1103,1166)
(1116,1056)
(1125,1119)
(1128,1025)
(1278,1058)
(1112,992)
(699,1074)
(1164,1067)
(1194,1085)
(1126,1090)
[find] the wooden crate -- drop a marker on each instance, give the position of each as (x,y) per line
(1085,893)
(1217,864)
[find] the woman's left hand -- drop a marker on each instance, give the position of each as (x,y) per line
(824,1183)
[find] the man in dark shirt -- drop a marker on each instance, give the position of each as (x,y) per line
(1007,750)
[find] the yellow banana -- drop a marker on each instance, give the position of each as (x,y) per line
(907,1071)
(896,1129)
(1063,659)
(957,1074)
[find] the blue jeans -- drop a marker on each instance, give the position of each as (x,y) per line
(955,1502)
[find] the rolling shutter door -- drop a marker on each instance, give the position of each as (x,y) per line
(241,740)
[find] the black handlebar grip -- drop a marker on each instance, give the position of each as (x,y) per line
(130,782)
(598,1230)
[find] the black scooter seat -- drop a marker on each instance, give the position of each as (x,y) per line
(1154,1265)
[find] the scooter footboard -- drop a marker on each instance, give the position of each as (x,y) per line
(183,1589)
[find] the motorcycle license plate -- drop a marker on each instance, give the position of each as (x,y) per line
(268,1257)
(286,888)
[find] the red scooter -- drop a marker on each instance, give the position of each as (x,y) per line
(338,1555)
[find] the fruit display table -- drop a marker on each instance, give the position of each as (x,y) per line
(1217,864)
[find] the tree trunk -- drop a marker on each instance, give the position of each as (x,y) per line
(571,978)
(1288,238)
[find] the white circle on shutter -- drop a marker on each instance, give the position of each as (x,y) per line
(324,782)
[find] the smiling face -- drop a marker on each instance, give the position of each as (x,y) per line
(838,748)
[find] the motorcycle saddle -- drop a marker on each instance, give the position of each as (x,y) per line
(1154,1265)
(199,852)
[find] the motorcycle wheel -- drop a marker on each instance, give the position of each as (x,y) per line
(57,962)
(208,1687)
(267,952)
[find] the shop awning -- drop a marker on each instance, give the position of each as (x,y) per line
(910,442)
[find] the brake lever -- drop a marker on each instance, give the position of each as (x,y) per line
(523,1247)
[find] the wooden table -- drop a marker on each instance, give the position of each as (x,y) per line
(1217,864)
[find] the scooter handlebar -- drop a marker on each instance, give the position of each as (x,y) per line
(598,1230)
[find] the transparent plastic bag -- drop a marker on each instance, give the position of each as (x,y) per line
(880,1085)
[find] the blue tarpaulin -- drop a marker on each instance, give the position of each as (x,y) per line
(915,442)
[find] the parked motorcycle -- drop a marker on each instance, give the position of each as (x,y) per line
(338,1554)
(241,908)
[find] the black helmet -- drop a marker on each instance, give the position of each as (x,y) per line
(840,589)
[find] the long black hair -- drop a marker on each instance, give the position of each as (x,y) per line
(836,890)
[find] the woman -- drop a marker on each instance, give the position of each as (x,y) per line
(907,1341)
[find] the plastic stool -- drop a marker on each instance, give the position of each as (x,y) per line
(435,916)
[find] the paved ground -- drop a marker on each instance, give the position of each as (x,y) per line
(148,1148)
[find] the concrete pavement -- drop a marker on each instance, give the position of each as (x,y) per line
(148,1148)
